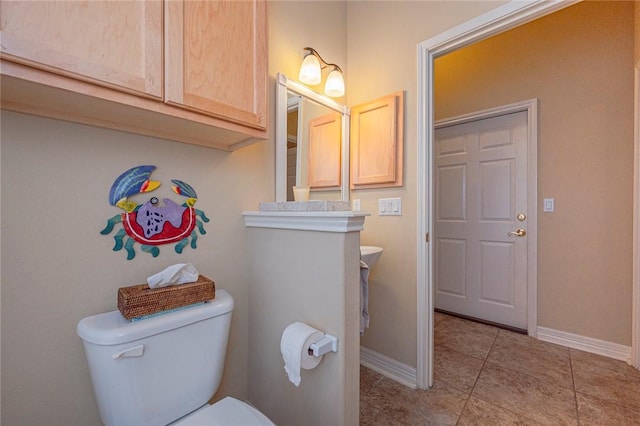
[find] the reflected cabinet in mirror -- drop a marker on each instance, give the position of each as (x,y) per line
(312,143)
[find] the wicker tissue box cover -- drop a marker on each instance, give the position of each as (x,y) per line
(140,300)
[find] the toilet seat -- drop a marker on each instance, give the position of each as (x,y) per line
(226,412)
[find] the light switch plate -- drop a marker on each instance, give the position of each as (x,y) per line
(390,206)
(355,205)
(549,205)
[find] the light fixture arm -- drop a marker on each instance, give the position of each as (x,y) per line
(324,63)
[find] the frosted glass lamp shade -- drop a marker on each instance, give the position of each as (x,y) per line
(334,86)
(310,72)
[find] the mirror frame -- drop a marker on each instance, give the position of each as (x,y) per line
(284,85)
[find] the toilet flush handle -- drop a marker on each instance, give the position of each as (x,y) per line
(130,352)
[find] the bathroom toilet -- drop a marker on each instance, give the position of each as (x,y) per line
(163,370)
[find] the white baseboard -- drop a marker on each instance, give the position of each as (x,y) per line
(389,367)
(583,343)
(406,375)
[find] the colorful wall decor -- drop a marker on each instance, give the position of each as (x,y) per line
(150,224)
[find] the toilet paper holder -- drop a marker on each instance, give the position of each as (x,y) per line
(329,343)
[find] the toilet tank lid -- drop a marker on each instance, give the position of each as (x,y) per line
(112,328)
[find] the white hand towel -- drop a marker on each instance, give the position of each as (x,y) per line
(364,297)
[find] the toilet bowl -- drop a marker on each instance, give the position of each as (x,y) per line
(163,370)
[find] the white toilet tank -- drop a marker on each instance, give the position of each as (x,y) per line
(156,370)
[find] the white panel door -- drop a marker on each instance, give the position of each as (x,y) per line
(480,267)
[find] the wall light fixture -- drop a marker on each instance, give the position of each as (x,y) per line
(311,73)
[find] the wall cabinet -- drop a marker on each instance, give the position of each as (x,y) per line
(377,142)
(216,59)
(191,71)
(116,44)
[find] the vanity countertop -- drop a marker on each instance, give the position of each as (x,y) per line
(326,221)
(305,206)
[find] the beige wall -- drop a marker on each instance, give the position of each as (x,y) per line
(302,289)
(579,63)
(294,25)
(382,54)
(60,269)
(637,33)
(382,51)
(312,277)
(57,268)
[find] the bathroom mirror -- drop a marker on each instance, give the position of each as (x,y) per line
(312,143)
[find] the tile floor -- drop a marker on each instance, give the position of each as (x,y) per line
(488,376)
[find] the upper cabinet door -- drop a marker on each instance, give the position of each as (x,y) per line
(377,142)
(216,59)
(116,44)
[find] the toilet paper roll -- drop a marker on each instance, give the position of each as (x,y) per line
(294,345)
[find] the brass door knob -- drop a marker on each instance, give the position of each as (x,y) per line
(518,232)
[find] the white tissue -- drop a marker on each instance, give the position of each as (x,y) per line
(179,273)
(294,345)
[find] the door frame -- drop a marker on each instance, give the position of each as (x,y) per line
(529,106)
(498,20)
(635,324)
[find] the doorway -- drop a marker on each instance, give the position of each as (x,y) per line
(498,20)
(482,215)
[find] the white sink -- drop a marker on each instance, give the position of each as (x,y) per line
(370,255)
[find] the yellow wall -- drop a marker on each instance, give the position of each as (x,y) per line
(579,63)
